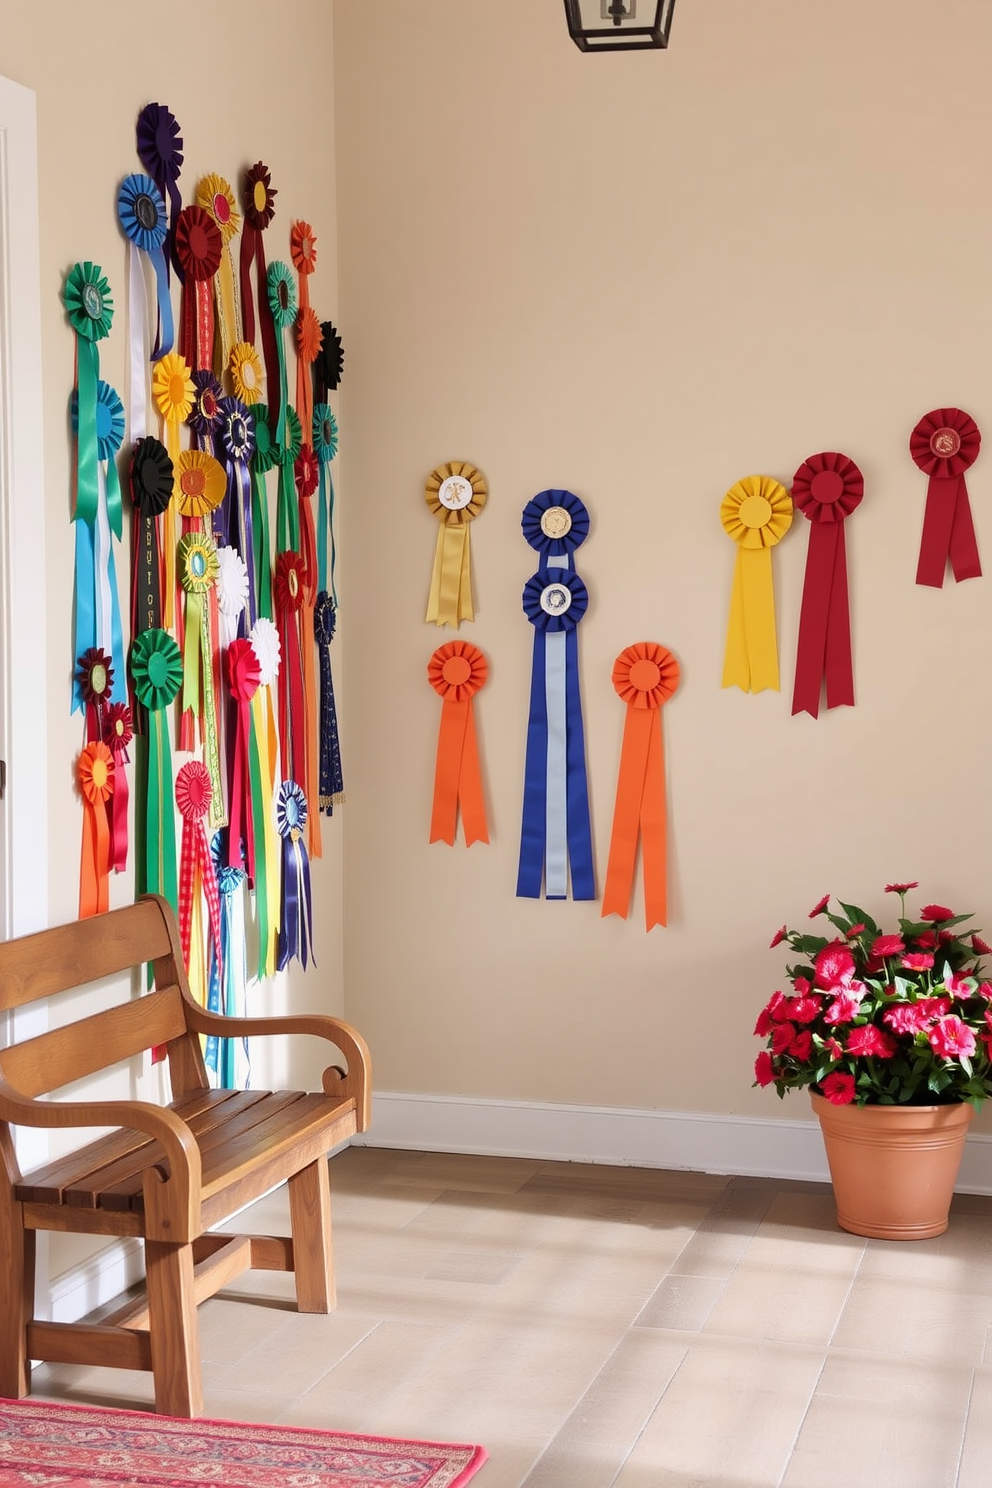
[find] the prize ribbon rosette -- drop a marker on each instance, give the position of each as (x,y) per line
(826,489)
(95,772)
(117,735)
(259,209)
(264,759)
(556,836)
(198,570)
(328,369)
(325,447)
(215,196)
(199,247)
(455,494)
(944,444)
(227,988)
(197,876)
(174,392)
(303,251)
(645,676)
(456,672)
(296,912)
(305,473)
(98,606)
(756,513)
(142,216)
(157,674)
(236,441)
(160,150)
(243,676)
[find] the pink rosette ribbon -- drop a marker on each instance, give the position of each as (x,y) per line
(826,489)
(196,865)
(944,444)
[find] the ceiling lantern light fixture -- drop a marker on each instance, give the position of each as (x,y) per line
(619,25)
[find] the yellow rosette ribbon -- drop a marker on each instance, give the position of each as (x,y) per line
(455,493)
(173,391)
(756,513)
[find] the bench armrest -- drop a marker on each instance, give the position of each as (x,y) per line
(172,1203)
(356,1082)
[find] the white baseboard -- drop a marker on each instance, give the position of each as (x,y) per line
(96,1281)
(736,1145)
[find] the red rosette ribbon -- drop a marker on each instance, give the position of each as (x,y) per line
(95,773)
(196,866)
(95,680)
(118,731)
(244,676)
(456,671)
(199,248)
(826,489)
(645,676)
(944,444)
(289,591)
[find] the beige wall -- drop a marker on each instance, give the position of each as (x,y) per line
(236,104)
(643,277)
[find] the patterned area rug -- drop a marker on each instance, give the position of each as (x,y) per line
(68,1446)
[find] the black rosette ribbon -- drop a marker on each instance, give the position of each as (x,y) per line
(331,776)
(328,368)
(152,477)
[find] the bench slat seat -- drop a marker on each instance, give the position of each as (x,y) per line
(165,1174)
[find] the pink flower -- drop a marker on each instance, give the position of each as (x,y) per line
(952,1039)
(782,1036)
(843,1008)
(935,1007)
(778,937)
(957,984)
(764,1069)
(819,908)
(936,912)
(980,947)
(927,939)
(984,989)
(917,961)
(986,1039)
(854,931)
(803,1009)
(900,888)
(870,1040)
(888,945)
(908,1018)
(802,1045)
(834,966)
(838,1088)
(873,965)
(832,1048)
(803,986)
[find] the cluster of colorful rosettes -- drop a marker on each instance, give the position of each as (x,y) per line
(878,1017)
(233,594)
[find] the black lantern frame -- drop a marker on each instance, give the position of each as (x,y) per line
(615,26)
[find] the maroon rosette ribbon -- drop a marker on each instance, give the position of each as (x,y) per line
(199,248)
(944,444)
(258,201)
(826,489)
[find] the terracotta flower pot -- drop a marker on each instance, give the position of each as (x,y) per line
(893,1168)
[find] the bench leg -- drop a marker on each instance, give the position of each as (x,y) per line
(17,1250)
(173,1328)
(310,1214)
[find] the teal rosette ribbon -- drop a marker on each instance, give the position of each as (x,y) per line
(325,447)
(281,289)
(156,674)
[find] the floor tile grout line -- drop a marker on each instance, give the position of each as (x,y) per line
(964,1428)
(799,1429)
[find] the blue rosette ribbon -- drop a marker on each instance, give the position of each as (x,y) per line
(142,215)
(228,995)
(556,834)
(296,912)
(97,613)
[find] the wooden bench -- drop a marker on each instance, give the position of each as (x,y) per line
(167,1174)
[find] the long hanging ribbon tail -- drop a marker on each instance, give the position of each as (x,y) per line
(292,718)
(137,344)
(457,777)
(268,880)
(249,235)
(556,847)
(310,725)
(948,534)
(450,599)
(84,624)
(751,656)
(117,814)
(814,616)
(331,782)
(234,1066)
(263,826)
(110,635)
(226,304)
(296,919)
(263,555)
(242,827)
(838,664)
(169,536)
(275,366)
(639,809)
(94,861)
(533,830)
(577,794)
(166,333)
(189,885)
(87,453)
(242,533)
(287,512)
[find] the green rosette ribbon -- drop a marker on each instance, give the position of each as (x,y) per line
(265,457)
(325,447)
(90,308)
(281,288)
(288,507)
(157,674)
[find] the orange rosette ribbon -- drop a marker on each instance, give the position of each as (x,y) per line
(95,772)
(645,676)
(456,672)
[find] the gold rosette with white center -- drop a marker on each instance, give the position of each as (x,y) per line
(756,513)
(455,493)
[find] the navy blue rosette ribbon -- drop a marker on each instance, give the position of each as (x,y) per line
(236,444)
(160,150)
(296,912)
(142,216)
(228,995)
(556,835)
(330,778)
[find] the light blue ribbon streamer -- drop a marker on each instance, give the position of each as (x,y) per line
(579,826)
(84,634)
(556,805)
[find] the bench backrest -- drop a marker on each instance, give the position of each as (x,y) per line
(71,956)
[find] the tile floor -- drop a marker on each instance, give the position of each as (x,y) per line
(614,1328)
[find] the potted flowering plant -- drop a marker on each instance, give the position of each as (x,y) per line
(892,1031)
